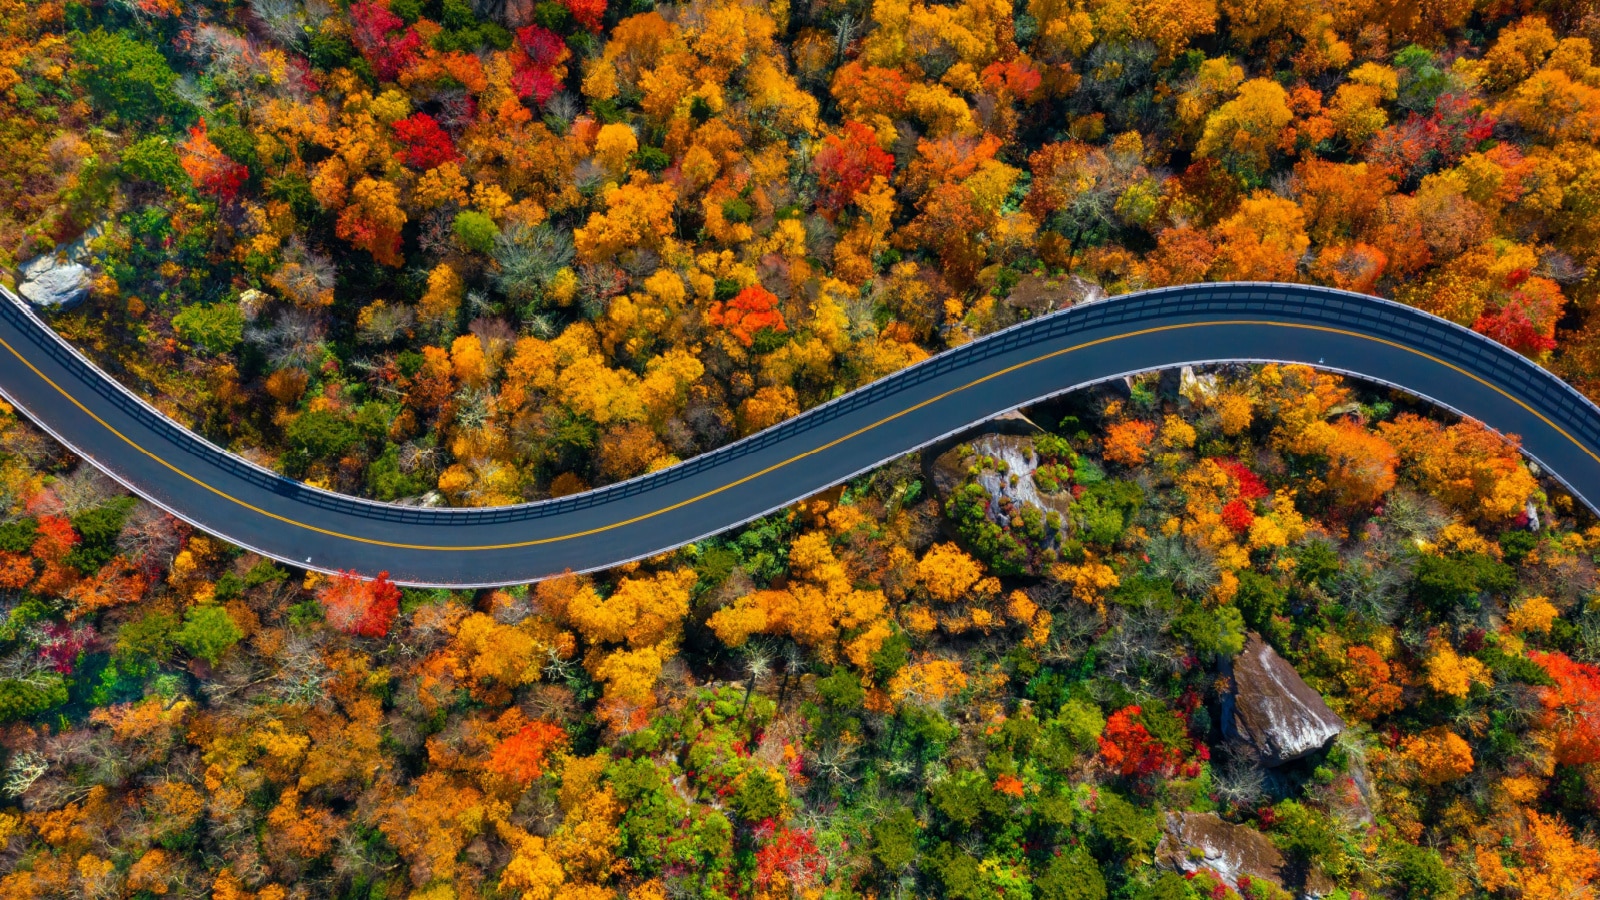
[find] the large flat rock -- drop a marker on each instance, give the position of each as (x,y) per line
(1272,710)
(1196,842)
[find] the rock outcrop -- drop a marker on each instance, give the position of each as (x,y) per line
(1009,440)
(941,465)
(1201,841)
(52,282)
(1272,711)
(60,279)
(1035,295)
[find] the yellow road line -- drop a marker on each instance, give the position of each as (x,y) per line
(796,458)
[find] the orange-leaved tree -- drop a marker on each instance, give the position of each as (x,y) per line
(211,170)
(1128,442)
(1466,465)
(1373,689)
(750,311)
(521,758)
(1439,755)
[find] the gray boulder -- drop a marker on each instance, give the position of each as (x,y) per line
(62,278)
(53,282)
(1272,711)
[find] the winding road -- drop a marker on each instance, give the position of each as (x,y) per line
(255,508)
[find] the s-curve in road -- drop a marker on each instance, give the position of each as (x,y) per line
(1240,322)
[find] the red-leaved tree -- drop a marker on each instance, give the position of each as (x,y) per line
(1527,315)
(588,13)
(211,170)
(51,544)
(753,309)
(384,39)
(1016,78)
(427,145)
(1571,708)
(533,71)
(357,606)
(846,165)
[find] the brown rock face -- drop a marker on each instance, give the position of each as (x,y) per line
(1036,295)
(1201,841)
(1272,710)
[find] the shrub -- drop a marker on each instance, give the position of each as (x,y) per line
(153,159)
(216,328)
(1421,874)
(894,840)
(528,259)
(127,76)
(475,230)
(320,434)
(1126,831)
(1071,875)
(1104,510)
(20,699)
(207,632)
(355,606)
(1444,584)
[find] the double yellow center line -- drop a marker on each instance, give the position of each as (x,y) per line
(791,460)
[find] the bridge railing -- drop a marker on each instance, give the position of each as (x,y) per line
(1280,302)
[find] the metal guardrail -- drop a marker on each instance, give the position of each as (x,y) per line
(1280,302)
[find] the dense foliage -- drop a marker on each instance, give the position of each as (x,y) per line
(842,700)
(500,249)
(479,251)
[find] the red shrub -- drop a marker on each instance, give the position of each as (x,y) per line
(789,853)
(212,171)
(1127,746)
(54,539)
(1250,485)
(1571,708)
(1238,516)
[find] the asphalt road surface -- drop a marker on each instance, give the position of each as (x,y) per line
(311,528)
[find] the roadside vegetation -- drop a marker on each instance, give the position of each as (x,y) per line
(921,684)
(481,251)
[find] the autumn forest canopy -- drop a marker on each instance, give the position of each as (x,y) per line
(501,251)
(478,252)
